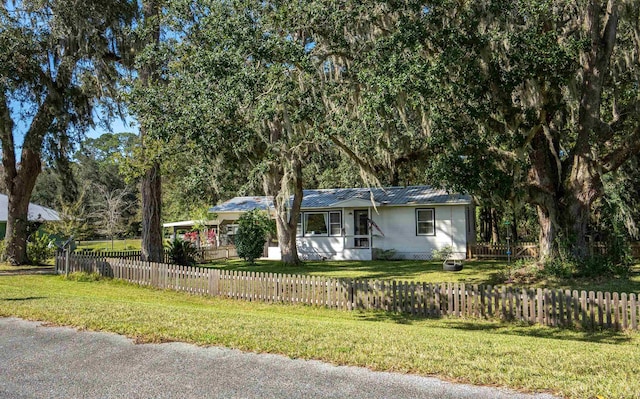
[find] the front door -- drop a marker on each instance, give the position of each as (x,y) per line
(361,231)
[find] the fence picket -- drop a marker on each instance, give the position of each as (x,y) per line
(547,307)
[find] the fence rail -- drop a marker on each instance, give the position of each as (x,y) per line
(202,255)
(499,251)
(542,306)
(528,250)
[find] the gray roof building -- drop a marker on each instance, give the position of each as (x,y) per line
(336,197)
(36,212)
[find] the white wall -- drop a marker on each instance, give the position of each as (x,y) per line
(399,227)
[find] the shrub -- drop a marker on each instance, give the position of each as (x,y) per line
(443,253)
(182,252)
(384,254)
(253,227)
(39,248)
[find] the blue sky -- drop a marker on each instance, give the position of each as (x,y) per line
(117,126)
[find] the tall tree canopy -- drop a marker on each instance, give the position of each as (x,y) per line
(241,86)
(58,59)
(546,93)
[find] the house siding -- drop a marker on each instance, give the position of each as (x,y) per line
(399,227)
(398,224)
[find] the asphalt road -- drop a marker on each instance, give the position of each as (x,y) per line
(56,362)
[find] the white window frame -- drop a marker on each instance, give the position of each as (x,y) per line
(305,218)
(432,221)
(302,224)
(339,223)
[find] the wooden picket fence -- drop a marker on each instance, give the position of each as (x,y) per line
(203,254)
(529,250)
(561,308)
(524,250)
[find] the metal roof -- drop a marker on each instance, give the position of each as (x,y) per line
(35,212)
(242,204)
(327,198)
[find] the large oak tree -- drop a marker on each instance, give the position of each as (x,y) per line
(58,59)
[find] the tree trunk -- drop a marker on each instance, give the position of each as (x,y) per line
(16,234)
(287,241)
(20,177)
(276,186)
(495,226)
(547,235)
(151,189)
(152,250)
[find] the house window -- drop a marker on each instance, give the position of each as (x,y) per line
(299,227)
(335,223)
(315,224)
(425,222)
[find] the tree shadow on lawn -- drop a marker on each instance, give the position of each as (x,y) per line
(538,331)
(501,327)
(28,298)
(474,272)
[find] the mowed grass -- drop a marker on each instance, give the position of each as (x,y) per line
(487,272)
(4,266)
(531,358)
(474,272)
(105,245)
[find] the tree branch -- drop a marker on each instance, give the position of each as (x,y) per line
(365,167)
(620,154)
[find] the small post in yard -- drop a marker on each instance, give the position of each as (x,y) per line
(508,236)
(67,247)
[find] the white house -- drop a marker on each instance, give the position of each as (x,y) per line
(360,223)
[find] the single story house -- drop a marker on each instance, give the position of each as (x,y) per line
(362,223)
(36,213)
(224,224)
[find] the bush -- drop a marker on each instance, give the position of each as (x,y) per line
(384,254)
(443,253)
(39,248)
(253,227)
(182,252)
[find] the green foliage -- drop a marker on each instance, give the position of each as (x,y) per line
(3,248)
(253,227)
(616,261)
(383,254)
(182,252)
(443,253)
(39,248)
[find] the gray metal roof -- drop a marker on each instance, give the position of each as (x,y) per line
(327,198)
(36,212)
(418,195)
(242,204)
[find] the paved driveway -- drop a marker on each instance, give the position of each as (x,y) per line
(55,362)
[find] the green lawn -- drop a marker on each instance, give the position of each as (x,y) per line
(4,266)
(531,358)
(474,272)
(105,245)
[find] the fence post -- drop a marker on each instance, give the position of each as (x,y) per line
(66,262)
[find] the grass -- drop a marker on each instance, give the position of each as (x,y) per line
(423,271)
(118,245)
(531,358)
(474,272)
(4,266)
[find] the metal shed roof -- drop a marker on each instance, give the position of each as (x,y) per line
(327,198)
(36,212)
(241,204)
